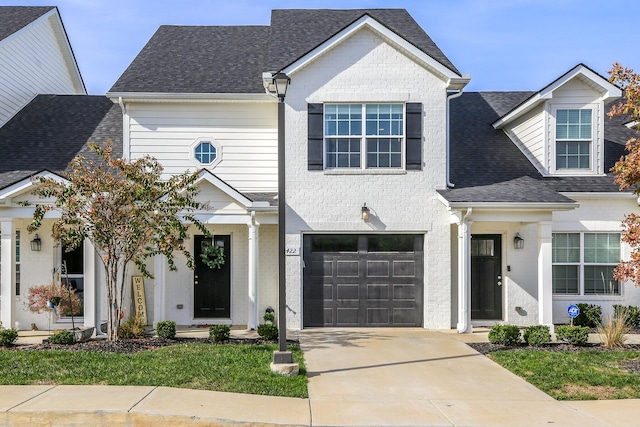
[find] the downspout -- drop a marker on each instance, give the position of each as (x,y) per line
(464,274)
(125,130)
(448,115)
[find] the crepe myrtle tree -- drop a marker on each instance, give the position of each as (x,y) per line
(627,169)
(125,210)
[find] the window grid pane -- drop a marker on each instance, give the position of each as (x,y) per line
(343,119)
(343,153)
(205,152)
(384,152)
(573,155)
(573,135)
(565,279)
(566,247)
(598,280)
(602,248)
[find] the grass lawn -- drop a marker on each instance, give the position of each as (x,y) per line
(238,368)
(575,375)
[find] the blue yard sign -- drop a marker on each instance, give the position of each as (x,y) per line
(573,311)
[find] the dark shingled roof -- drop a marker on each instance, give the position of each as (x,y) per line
(486,166)
(298,31)
(199,60)
(272,198)
(232,59)
(52,129)
(14,18)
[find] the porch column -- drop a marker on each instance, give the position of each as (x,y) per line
(91,304)
(254,244)
(8,274)
(464,274)
(159,288)
(545,287)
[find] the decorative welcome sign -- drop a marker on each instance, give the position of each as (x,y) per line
(139,300)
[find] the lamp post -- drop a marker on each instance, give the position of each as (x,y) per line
(282,356)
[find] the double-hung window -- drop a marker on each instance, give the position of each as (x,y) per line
(583,263)
(364,136)
(574,138)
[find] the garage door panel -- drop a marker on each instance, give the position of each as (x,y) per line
(404,268)
(377,292)
(348,292)
(322,268)
(348,316)
(378,316)
(404,292)
(383,287)
(348,269)
(378,268)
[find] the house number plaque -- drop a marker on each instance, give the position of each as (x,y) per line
(292,251)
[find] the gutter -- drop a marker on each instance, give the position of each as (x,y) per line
(448,115)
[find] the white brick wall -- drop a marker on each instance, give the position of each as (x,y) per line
(366,69)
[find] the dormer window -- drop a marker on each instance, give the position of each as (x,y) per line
(574,138)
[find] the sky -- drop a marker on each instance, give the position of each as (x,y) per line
(504,44)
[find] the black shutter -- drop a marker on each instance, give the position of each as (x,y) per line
(315,156)
(413,158)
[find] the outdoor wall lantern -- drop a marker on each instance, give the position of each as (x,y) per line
(281,82)
(365,213)
(36,244)
(518,242)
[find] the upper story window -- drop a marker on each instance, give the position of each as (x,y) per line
(206,151)
(364,135)
(583,263)
(574,139)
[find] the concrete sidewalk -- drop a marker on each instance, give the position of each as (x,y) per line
(357,377)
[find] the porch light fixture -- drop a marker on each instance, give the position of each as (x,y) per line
(518,242)
(364,213)
(281,82)
(36,244)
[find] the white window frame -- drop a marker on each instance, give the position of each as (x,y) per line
(581,264)
(211,141)
(593,142)
(363,137)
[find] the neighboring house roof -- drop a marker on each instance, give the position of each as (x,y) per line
(232,59)
(486,166)
(52,129)
(14,18)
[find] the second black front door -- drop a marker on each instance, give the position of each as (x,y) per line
(486,276)
(212,286)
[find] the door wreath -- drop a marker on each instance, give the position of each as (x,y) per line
(212,256)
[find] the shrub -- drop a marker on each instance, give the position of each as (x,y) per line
(132,328)
(219,333)
(613,331)
(504,334)
(574,335)
(8,337)
(166,329)
(590,315)
(537,335)
(62,337)
(268,331)
(633,314)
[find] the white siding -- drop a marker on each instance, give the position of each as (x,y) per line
(32,62)
(246,133)
(528,134)
(365,68)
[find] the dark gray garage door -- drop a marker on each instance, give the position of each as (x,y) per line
(363,280)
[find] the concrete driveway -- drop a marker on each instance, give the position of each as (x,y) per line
(417,377)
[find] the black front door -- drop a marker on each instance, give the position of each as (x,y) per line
(212,286)
(486,277)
